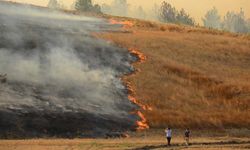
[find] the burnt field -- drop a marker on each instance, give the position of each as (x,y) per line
(60,81)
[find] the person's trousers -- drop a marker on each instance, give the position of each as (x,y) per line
(169,140)
(187,140)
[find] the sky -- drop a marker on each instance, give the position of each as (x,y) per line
(196,8)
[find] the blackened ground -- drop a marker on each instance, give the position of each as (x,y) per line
(17,124)
(61,82)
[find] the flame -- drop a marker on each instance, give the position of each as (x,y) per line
(135,101)
(126,24)
(141,56)
(142,123)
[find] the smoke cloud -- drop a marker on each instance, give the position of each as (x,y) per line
(60,79)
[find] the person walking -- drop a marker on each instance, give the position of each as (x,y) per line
(168,132)
(187,136)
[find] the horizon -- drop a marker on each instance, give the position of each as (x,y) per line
(196,11)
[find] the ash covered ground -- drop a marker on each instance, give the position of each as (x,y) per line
(61,81)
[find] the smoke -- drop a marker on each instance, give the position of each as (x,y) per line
(55,67)
(123,8)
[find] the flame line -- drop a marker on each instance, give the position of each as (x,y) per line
(142,123)
(125,24)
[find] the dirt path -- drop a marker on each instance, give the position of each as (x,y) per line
(134,143)
(205,145)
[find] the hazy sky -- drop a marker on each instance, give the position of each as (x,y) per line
(196,8)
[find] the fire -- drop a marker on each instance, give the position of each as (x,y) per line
(141,56)
(126,24)
(144,107)
(142,123)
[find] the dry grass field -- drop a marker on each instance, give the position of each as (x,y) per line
(192,77)
(145,140)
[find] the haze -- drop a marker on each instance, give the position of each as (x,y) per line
(196,8)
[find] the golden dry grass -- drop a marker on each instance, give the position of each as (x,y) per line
(193,77)
(142,141)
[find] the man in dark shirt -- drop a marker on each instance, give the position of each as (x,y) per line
(187,136)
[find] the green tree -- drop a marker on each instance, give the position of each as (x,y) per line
(168,13)
(212,19)
(83,5)
(87,5)
(235,22)
(97,8)
(248,25)
(184,18)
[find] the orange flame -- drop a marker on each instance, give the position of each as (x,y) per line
(126,24)
(141,56)
(135,101)
(142,123)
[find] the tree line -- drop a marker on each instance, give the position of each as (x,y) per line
(79,5)
(232,21)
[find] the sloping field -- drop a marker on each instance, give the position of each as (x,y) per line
(56,80)
(192,77)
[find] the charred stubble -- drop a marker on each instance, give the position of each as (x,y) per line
(60,81)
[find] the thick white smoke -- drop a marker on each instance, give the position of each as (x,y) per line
(54,65)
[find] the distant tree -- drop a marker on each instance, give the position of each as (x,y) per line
(86,5)
(212,19)
(120,7)
(53,4)
(140,13)
(168,13)
(248,25)
(83,5)
(105,8)
(184,18)
(97,8)
(235,22)
(155,11)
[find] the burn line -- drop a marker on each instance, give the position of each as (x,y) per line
(142,123)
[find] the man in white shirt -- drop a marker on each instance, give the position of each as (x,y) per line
(168,132)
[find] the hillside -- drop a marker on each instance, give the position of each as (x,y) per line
(56,80)
(192,77)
